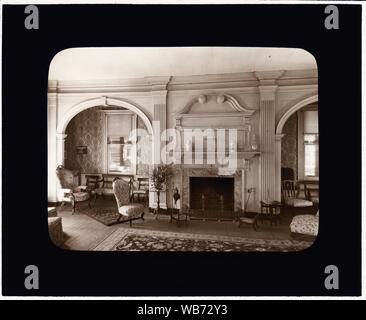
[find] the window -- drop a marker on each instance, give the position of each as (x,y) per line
(311,150)
(119,156)
(308,144)
(120,149)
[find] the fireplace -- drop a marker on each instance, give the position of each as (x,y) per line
(212,196)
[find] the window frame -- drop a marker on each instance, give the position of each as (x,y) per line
(110,113)
(301,145)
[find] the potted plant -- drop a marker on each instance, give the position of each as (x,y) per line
(159,178)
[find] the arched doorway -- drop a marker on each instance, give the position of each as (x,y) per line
(103,140)
(90,103)
(102,101)
(289,114)
(290,111)
(57,131)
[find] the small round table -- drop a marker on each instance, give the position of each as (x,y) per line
(270,211)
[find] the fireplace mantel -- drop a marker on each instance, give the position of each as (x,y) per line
(201,111)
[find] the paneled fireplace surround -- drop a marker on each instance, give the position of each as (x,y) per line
(217,112)
(241,180)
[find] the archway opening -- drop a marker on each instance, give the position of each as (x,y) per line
(300,145)
(300,153)
(102,139)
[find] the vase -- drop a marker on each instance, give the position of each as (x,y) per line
(254,145)
(176,196)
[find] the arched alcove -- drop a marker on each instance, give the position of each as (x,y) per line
(59,135)
(90,103)
(102,101)
(278,137)
(292,110)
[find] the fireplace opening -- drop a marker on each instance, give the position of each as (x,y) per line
(212,197)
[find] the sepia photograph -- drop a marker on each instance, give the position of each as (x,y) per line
(183,149)
(169,154)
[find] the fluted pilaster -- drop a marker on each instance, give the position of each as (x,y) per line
(267,125)
(159,95)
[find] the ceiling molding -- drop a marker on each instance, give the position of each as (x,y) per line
(299,88)
(179,83)
(300,74)
(264,76)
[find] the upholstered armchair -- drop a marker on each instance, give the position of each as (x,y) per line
(70,191)
(106,188)
(127,211)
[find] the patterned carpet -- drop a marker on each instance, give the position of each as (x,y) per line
(106,215)
(124,239)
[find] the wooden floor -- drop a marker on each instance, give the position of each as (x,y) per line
(85,233)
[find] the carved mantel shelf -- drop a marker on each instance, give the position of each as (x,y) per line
(230,113)
(249,154)
(243,154)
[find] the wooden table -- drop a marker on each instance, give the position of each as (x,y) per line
(177,215)
(270,211)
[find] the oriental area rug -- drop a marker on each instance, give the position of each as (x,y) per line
(124,239)
(107,215)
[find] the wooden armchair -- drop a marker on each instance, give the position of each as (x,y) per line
(271,211)
(140,190)
(291,199)
(94,184)
(70,191)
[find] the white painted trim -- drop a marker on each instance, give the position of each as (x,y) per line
(300,146)
(101,101)
(149,84)
(292,110)
(111,112)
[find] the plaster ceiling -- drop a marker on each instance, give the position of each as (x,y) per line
(117,63)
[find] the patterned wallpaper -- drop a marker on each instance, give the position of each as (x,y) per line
(289,144)
(87,129)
